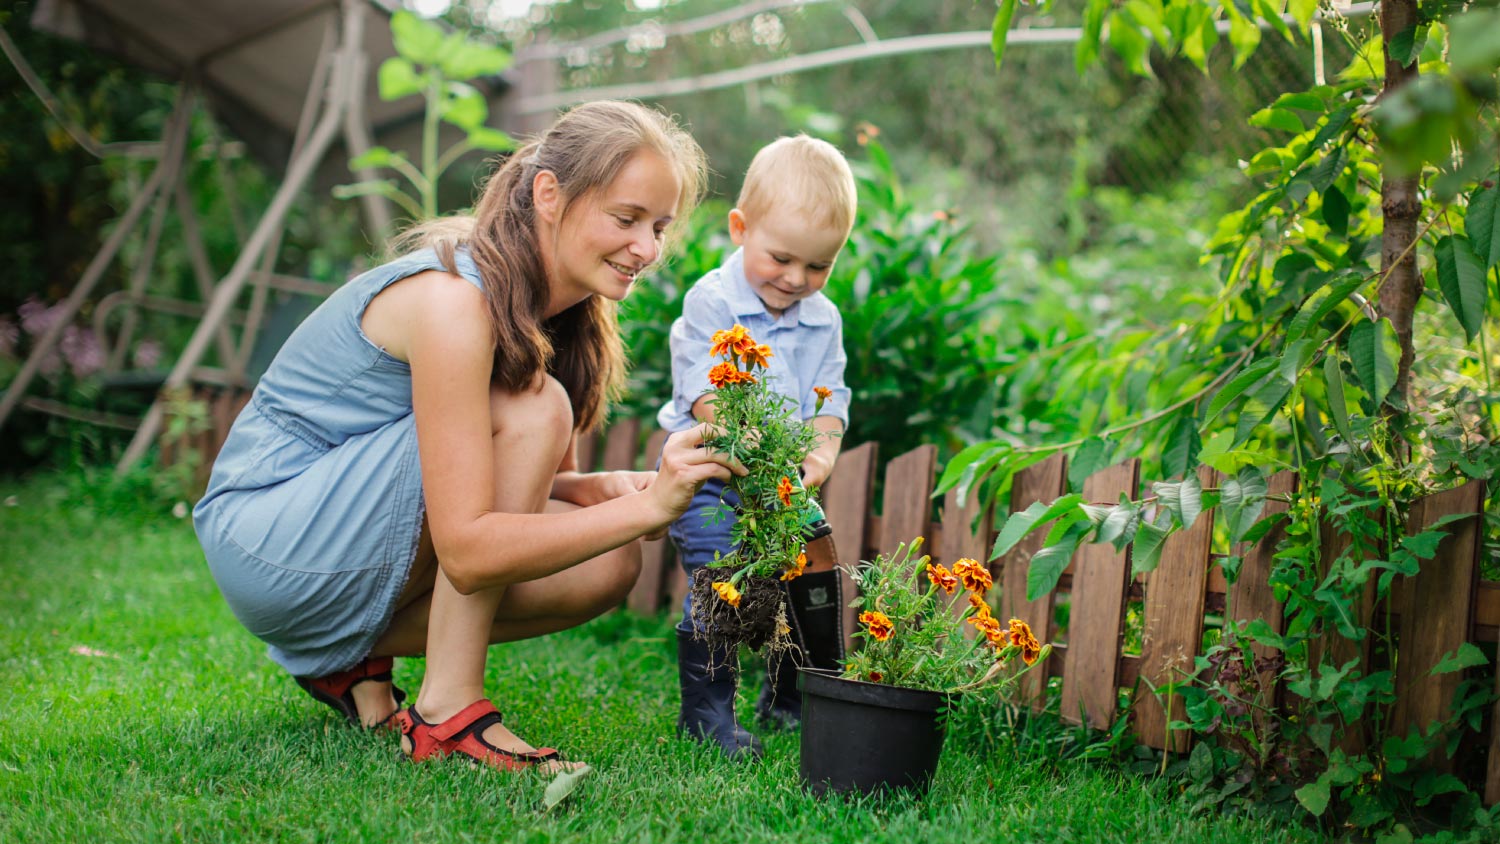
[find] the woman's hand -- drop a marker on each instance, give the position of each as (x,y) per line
(685,465)
(815,470)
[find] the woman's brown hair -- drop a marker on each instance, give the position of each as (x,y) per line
(581,347)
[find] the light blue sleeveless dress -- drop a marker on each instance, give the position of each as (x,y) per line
(314,508)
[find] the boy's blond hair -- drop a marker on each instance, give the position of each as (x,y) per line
(800,174)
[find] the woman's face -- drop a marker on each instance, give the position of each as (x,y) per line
(607,238)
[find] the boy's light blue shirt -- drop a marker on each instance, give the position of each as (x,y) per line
(807,344)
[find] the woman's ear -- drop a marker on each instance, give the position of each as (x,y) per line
(546,196)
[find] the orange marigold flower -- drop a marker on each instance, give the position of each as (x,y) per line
(757,355)
(880,625)
(722,374)
(822,393)
(988,625)
(977,602)
(728,593)
(941,577)
(729,341)
(976,577)
(795,570)
(1022,637)
(876,676)
(742,378)
(784,490)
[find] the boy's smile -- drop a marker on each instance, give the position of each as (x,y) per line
(787,257)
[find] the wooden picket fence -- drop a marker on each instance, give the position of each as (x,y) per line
(1438,610)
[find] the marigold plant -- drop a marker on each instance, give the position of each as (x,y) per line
(913,616)
(762,429)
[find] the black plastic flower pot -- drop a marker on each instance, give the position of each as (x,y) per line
(864,737)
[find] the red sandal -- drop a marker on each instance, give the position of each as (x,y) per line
(337,690)
(463,734)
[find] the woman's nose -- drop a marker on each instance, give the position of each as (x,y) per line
(645,248)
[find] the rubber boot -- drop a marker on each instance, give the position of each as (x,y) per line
(815,614)
(708,683)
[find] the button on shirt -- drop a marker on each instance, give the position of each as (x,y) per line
(807,342)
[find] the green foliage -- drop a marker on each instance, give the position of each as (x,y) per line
(436,65)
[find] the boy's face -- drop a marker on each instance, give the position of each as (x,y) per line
(787,258)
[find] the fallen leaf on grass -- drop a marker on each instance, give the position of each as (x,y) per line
(562,785)
(85,650)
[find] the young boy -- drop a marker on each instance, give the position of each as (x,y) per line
(794,214)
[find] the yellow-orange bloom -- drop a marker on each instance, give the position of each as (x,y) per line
(976,577)
(822,393)
(880,625)
(729,341)
(977,602)
(784,490)
(757,355)
(795,570)
(728,593)
(943,578)
(722,374)
(876,676)
(988,625)
(1022,637)
(742,378)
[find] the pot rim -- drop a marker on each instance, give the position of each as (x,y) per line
(826,683)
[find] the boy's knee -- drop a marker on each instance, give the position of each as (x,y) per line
(543,407)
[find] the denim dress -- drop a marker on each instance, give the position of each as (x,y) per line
(314,508)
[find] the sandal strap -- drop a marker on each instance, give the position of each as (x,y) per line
(466,719)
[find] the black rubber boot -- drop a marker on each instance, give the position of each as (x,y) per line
(708,682)
(816,616)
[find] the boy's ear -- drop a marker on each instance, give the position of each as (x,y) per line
(737,226)
(546,196)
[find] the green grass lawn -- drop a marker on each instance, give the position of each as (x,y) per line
(137,709)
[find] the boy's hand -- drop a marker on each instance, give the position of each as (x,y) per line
(815,470)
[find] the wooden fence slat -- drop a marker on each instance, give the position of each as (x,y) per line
(907,510)
(1173,628)
(1044,481)
(962,536)
(587,449)
(846,501)
(621,442)
(1332,648)
(1438,612)
(1250,596)
(1097,613)
(646,596)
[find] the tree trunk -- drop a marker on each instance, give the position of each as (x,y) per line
(1401,203)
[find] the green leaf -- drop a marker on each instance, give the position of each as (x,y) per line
(1241,499)
(1180,455)
(1047,565)
(492,140)
(562,785)
(1244,35)
(417,40)
(1314,796)
(1022,523)
(1302,12)
(1277,118)
(373,157)
(1474,41)
(1328,169)
(965,463)
(1091,456)
(1145,552)
(1120,522)
(1087,50)
(1237,386)
(1402,46)
(469,59)
(1375,351)
(397,79)
(1001,28)
(1148,14)
(1270,12)
(465,107)
(1322,303)
(1184,498)
(1461,278)
(1133,48)
(1482,222)
(1467,656)
(1336,211)
(1263,403)
(1338,407)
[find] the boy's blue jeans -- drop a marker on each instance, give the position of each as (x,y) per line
(697,540)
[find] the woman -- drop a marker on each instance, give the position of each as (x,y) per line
(403,479)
